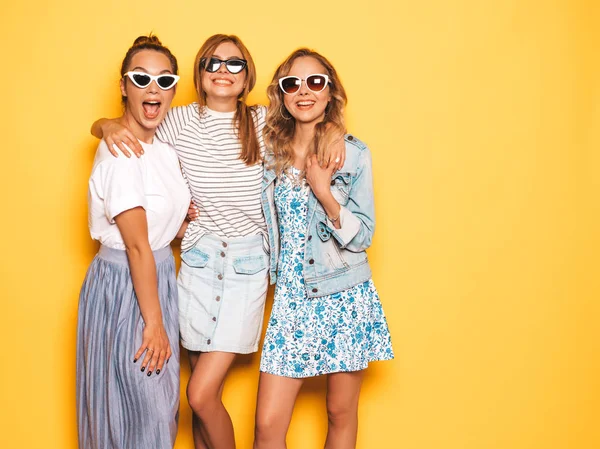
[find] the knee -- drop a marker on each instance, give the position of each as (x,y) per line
(341,414)
(202,402)
(267,428)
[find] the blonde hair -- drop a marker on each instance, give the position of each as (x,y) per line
(245,115)
(280,125)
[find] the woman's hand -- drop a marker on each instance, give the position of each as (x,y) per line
(155,343)
(114,132)
(193,212)
(319,178)
(335,153)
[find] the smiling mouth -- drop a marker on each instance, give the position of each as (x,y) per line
(305,104)
(151,109)
(222,82)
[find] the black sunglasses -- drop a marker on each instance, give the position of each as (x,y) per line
(233,65)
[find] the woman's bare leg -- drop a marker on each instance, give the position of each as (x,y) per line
(276,398)
(212,426)
(343,390)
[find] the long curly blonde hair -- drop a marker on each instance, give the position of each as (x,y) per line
(280,125)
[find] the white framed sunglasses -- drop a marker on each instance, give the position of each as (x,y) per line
(315,83)
(142,79)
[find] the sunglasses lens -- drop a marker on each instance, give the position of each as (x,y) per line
(235,65)
(290,85)
(165,81)
(213,65)
(140,79)
(316,83)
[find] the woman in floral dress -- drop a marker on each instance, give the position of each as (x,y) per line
(326,317)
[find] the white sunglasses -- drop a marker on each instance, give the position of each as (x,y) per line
(142,79)
(315,82)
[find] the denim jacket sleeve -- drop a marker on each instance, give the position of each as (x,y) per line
(357,217)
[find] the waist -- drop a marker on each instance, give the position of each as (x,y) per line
(120,256)
(233,243)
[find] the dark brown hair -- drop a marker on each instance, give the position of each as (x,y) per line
(244,114)
(149,42)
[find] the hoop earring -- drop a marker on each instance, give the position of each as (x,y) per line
(281,107)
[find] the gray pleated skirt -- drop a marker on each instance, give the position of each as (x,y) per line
(118,406)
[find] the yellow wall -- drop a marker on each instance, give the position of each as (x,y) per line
(484,122)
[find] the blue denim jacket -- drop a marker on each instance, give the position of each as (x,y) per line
(334,259)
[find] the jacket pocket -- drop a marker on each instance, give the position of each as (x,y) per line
(195,258)
(340,187)
(250,264)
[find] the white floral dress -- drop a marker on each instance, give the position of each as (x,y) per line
(308,337)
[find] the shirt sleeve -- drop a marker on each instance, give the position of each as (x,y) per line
(119,183)
(175,121)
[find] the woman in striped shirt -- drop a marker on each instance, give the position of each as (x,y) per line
(223,279)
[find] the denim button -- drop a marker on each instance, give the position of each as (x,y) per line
(222,254)
(350,138)
(220,277)
(208,342)
(315,290)
(309,238)
(332,182)
(218,298)
(311,261)
(224,244)
(214,318)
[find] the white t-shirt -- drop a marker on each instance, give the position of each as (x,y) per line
(226,190)
(153,182)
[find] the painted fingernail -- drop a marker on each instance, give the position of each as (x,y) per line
(135,360)
(149,373)
(157,372)
(168,360)
(143,368)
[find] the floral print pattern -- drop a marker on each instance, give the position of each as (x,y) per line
(312,336)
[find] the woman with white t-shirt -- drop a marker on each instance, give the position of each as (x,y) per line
(127,395)
(223,279)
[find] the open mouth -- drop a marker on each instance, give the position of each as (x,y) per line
(151,109)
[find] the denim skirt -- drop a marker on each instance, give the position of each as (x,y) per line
(222,290)
(118,406)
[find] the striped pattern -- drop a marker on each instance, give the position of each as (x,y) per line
(226,191)
(118,406)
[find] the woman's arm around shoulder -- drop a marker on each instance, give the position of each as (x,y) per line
(116,134)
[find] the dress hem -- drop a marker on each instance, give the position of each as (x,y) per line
(309,375)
